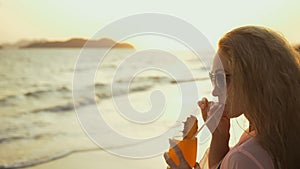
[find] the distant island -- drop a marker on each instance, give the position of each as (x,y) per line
(79,43)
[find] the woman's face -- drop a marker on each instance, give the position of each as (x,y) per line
(221,83)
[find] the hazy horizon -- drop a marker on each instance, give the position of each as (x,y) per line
(61,20)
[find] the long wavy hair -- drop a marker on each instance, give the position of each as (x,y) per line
(265,80)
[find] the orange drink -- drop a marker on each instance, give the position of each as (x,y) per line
(188,145)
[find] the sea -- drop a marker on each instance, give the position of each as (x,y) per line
(38,119)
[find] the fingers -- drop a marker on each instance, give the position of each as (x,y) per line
(197,166)
(169,161)
(204,105)
(201,103)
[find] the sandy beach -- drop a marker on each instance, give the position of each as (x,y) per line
(101,159)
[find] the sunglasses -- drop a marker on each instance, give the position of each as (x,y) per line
(219,79)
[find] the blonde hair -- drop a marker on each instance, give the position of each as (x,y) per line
(265,77)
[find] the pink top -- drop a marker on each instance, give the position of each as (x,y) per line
(247,154)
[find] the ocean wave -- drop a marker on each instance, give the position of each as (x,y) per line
(139,84)
(6,100)
(9,100)
(189,80)
(105,91)
(9,139)
(61,97)
(13,138)
(37,93)
(34,162)
(102,91)
(148,79)
(54,109)
(65,107)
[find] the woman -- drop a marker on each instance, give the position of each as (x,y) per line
(262,75)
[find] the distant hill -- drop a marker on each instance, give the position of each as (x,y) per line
(21,43)
(0,47)
(79,43)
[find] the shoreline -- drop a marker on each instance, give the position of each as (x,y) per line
(50,159)
(102,159)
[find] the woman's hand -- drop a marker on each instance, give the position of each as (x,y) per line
(220,133)
(183,164)
(220,125)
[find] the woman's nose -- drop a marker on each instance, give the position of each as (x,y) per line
(216,92)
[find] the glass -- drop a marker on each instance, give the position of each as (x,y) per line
(188,143)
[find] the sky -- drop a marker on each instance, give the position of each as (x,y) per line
(63,19)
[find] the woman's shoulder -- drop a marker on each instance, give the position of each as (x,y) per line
(249,154)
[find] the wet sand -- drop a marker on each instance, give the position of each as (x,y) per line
(101,159)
